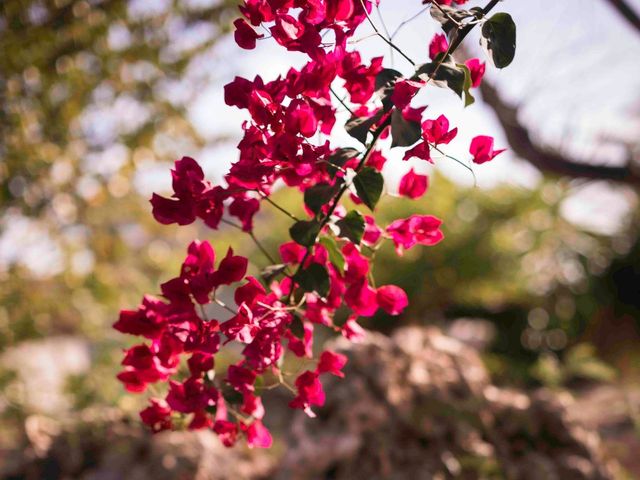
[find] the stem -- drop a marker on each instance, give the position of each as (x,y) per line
(376,134)
(458,40)
(253,237)
(341,101)
(261,248)
(224,305)
(389,42)
(475,180)
(437,5)
(465,31)
(345,187)
(283,210)
(408,20)
(386,31)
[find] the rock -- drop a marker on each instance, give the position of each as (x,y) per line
(105,446)
(417,405)
(420,405)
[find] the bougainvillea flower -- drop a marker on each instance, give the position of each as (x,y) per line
(417,229)
(148,320)
(310,392)
(332,363)
(227,432)
(438,45)
(421,151)
(482,149)
(403,92)
(352,330)
(372,232)
(361,298)
(245,36)
(413,185)
(240,378)
(257,435)
(477,69)
(157,415)
(392,299)
(437,131)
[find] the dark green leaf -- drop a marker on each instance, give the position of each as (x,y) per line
(385,81)
(305,233)
(339,158)
(447,74)
(369,183)
(315,278)
(352,226)
(499,39)
(296,326)
(358,127)
(272,271)
(319,195)
(335,255)
(231,396)
(403,132)
(386,78)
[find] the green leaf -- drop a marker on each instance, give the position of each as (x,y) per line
(369,183)
(259,386)
(296,326)
(304,232)
(358,127)
(386,78)
(499,39)
(352,226)
(315,278)
(272,271)
(339,158)
(335,255)
(403,132)
(319,195)
(446,75)
(468,97)
(385,82)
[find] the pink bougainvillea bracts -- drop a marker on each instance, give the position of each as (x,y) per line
(327,264)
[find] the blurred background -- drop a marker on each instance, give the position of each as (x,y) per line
(540,270)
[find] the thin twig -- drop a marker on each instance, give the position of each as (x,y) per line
(335,94)
(376,136)
(283,210)
(386,31)
(475,180)
(389,42)
(458,24)
(224,305)
(253,237)
(405,22)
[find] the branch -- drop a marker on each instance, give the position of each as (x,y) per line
(627,12)
(550,160)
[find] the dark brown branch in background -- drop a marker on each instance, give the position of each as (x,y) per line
(627,12)
(549,160)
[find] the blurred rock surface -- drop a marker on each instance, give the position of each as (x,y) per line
(418,405)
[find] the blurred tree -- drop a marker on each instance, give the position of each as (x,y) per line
(90,91)
(92,95)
